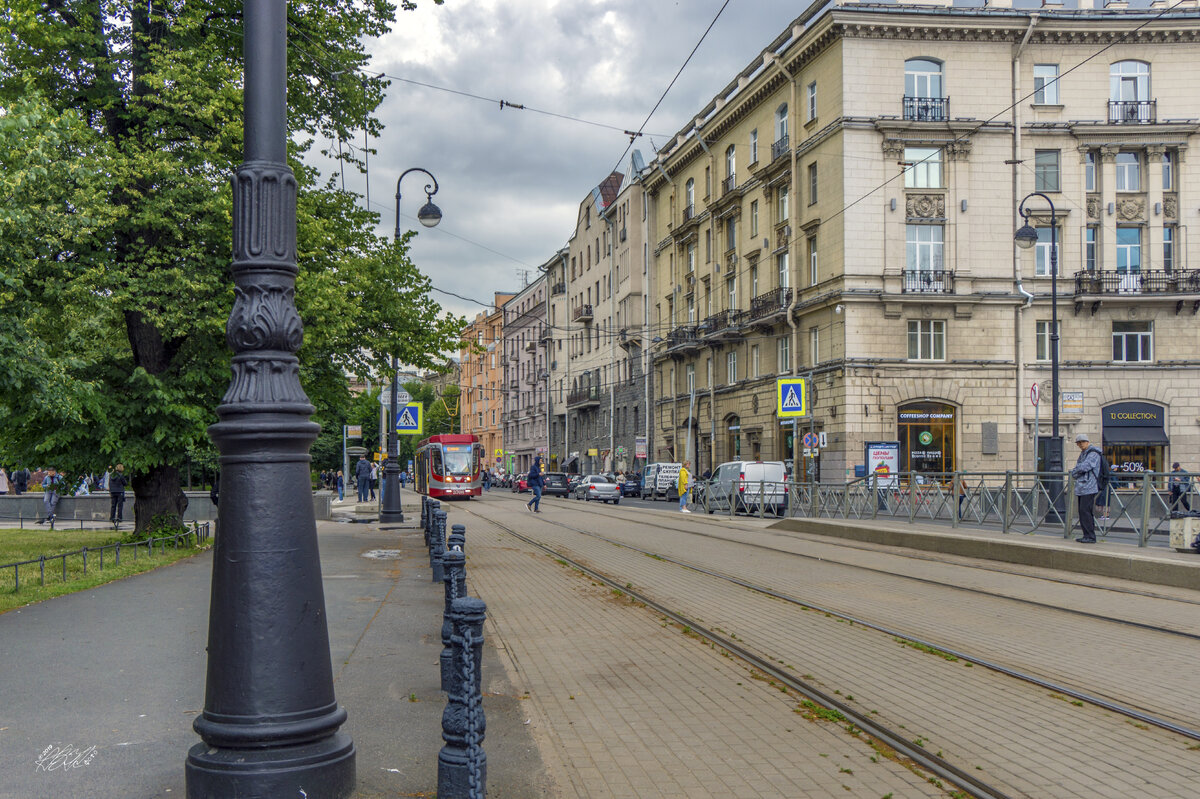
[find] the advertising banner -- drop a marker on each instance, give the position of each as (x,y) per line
(883,461)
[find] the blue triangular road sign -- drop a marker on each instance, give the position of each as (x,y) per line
(791,401)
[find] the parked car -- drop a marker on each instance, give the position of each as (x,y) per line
(573,480)
(747,486)
(632,487)
(554,484)
(597,486)
(519,486)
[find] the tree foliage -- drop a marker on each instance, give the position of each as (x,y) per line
(120,128)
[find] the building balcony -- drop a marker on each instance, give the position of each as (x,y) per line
(584,398)
(780,148)
(770,307)
(927,109)
(927,281)
(558,288)
(531,346)
(688,213)
(728,185)
(683,337)
(1132,112)
(583,313)
(723,325)
(1182,285)
(547,337)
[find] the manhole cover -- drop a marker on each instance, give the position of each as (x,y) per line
(383,554)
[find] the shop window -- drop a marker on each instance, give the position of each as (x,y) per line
(926,431)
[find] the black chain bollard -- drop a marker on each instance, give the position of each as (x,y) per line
(458,537)
(430,519)
(424,517)
(462,763)
(439,545)
(454,564)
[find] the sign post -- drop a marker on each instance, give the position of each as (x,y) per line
(1035,394)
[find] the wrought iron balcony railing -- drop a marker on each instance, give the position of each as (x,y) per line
(927,109)
(780,148)
(583,313)
(1132,112)
(1152,281)
(773,302)
(928,281)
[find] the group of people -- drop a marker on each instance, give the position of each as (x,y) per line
(334,481)
(54,484)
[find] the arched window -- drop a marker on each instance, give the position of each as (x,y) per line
(781,123)
(1129,92)
(730,161)
(690,193)
(923,98)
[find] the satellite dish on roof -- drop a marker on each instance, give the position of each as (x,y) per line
(639,163)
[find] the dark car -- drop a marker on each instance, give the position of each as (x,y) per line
(554,484)
(573,480)
(632,487)
(519,486)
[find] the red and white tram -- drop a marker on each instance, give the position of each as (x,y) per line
(448,466)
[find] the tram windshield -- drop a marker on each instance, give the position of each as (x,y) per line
(458,459)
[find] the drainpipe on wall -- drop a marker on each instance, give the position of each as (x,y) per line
(1018,344)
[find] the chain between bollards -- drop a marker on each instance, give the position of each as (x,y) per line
(438,545)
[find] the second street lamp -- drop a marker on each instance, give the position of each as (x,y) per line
(1026,238)
(392,510)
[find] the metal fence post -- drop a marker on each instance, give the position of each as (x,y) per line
(1008,498)
(1070,514)
(1144,533)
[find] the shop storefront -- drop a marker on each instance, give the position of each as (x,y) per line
(1135,438)
(926,431)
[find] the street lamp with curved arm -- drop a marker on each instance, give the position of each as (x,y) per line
(430,214)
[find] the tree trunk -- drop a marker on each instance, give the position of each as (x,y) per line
(159,499)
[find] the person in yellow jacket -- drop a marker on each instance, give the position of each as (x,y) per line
(683,486)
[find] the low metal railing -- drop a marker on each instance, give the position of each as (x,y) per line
(201,532)
(1137,504)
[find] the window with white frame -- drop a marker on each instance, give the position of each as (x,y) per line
(1043,250)
(1129,171)
(731,367)
(731,292)
(1168,248)
(1046,173)
(781,205)
(927,340)
(689,191)
(691,377)
(754,219)
(1089,171)
(754,280)
(924,247)
(781,266)
(781,123)
(1133,342)
(1090,236)
(923,168)
(730,234)
(754,146)
(812,261)
(812,183)
(754,364)
(814,346)
(691,257)
(1129,81)
(731,165)
(812,101)
(1129,249)
(1045,84)
(1042,339)
(1168,173)
(783,354)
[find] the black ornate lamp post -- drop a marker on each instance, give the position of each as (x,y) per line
(270,721)
(392,512)
(1025,238)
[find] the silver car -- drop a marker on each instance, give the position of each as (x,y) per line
(597,486)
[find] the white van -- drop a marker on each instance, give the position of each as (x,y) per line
(661,481)
(747,486)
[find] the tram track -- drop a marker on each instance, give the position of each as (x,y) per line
(1134,714)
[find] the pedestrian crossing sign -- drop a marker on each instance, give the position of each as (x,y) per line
(410,421)
(791,397)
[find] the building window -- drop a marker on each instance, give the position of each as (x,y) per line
(923,168)
(691,261)
(927,340)
(814,346)
(1089,247)
(707,246)
(731,165)
(754,219)
(1129,249)
(754,280)
(781,205)
(781,265)
(1042,252)
(1129,81)
(1129,177)
(784,363)
(812,183)
(1043,339)
(812,260)
(731,366)
(754,146)
(690,374)
(754,364)
(922,78)
(1168,171)
(1045,84)
(1089,171)
(781,123)
(1168,248)
(731,292)
(730,234)
(691,310)
(1045,170)
(924,247)
(1133,342)
(689,191)
(812,101)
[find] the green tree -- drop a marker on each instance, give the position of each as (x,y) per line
(121,125)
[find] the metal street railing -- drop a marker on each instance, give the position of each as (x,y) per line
(1135,504)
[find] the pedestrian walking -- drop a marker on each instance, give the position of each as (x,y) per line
(373,480)
(534,482)
(1181,486)
(362,474)
(1087,479)
(487,480)
(117,481)
(3,481)
(340,480)
(684,477)
(52,484)
(20,480)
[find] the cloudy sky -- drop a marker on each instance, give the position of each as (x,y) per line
(511,180)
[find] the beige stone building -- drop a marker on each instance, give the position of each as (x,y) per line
(526,375)
(482,380)
(845,209)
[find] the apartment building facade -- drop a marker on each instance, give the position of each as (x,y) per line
(481,389)
(845,209)
(525,338)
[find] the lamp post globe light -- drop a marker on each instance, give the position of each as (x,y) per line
(392,512)
(1025,238)
(270,724)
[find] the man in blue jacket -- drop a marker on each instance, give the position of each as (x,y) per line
(1087,485)
(534,481)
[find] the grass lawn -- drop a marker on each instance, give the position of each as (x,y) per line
(22,545)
